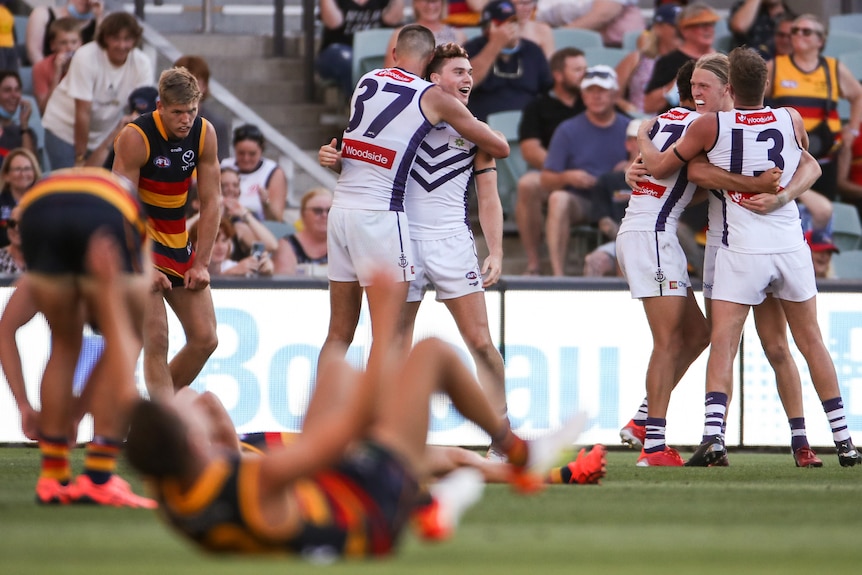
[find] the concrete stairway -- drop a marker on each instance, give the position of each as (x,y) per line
(272,87)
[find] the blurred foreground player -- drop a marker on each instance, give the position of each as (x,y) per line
(82,236)
(350,481)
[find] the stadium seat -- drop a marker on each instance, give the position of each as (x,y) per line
(26,73)
(853,61)
(846,226)
(579,38)
(279,229)
(842,42)
(851,23)
(724,43)
(509,170)
(847,265)
(601,55)
(20,31)
(630,40)
(472,31)
(369,50)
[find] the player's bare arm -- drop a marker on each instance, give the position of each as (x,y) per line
(490,216)
(699,136)
(438,106)
(209,194)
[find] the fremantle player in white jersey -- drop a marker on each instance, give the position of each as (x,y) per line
(656,269)
(758,251)
(391,111)
(443,248)
(655,264)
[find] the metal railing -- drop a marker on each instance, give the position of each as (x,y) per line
(292,157)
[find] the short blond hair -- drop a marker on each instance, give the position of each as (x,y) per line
(178,86)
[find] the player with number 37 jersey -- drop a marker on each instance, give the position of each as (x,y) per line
(657,203)
(381,140)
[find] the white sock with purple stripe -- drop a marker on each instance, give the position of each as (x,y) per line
(834,409)
(716,409)
(655,429)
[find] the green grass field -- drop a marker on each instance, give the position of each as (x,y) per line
(761,515)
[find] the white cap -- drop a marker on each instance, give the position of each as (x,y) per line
(602,76)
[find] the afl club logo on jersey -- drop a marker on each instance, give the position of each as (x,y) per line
(365,152)
(675,115)
(162,162)
(395,74)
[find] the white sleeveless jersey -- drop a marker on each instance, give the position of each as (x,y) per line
(436,202)
(657,204)
(385,129)
(750,142)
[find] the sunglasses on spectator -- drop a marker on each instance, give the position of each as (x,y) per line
(804,31)
(318,211)
(597,74)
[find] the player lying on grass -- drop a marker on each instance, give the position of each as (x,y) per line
(589,467)
(350,482)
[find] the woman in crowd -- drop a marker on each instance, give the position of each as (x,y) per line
(11,256)
(18,173)
(263,185)
(14,134)
(221,264)
(307,247)
(428,13)
(813,83)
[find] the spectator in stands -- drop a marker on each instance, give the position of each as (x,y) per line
(306,249)
(612,18)
(201,70)
(14,134)
(783,39)
(141,101)
(64,36)
(87,104)
(341,20)
(221,264)
(11,256)
(263,185)
(538,122)
(582,149)
(464,12)
(88,13)
(19,171)
(533,30)
(610,197)
(849,167)
(248,229)
(813,83)
(635,69)
(508,71)
(696,25)
(753,22)
(8,50)
(428,13)
(822,248)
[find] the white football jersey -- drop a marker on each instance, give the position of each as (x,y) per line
(436,202)
(657,204)
(750,142)
(385,129)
